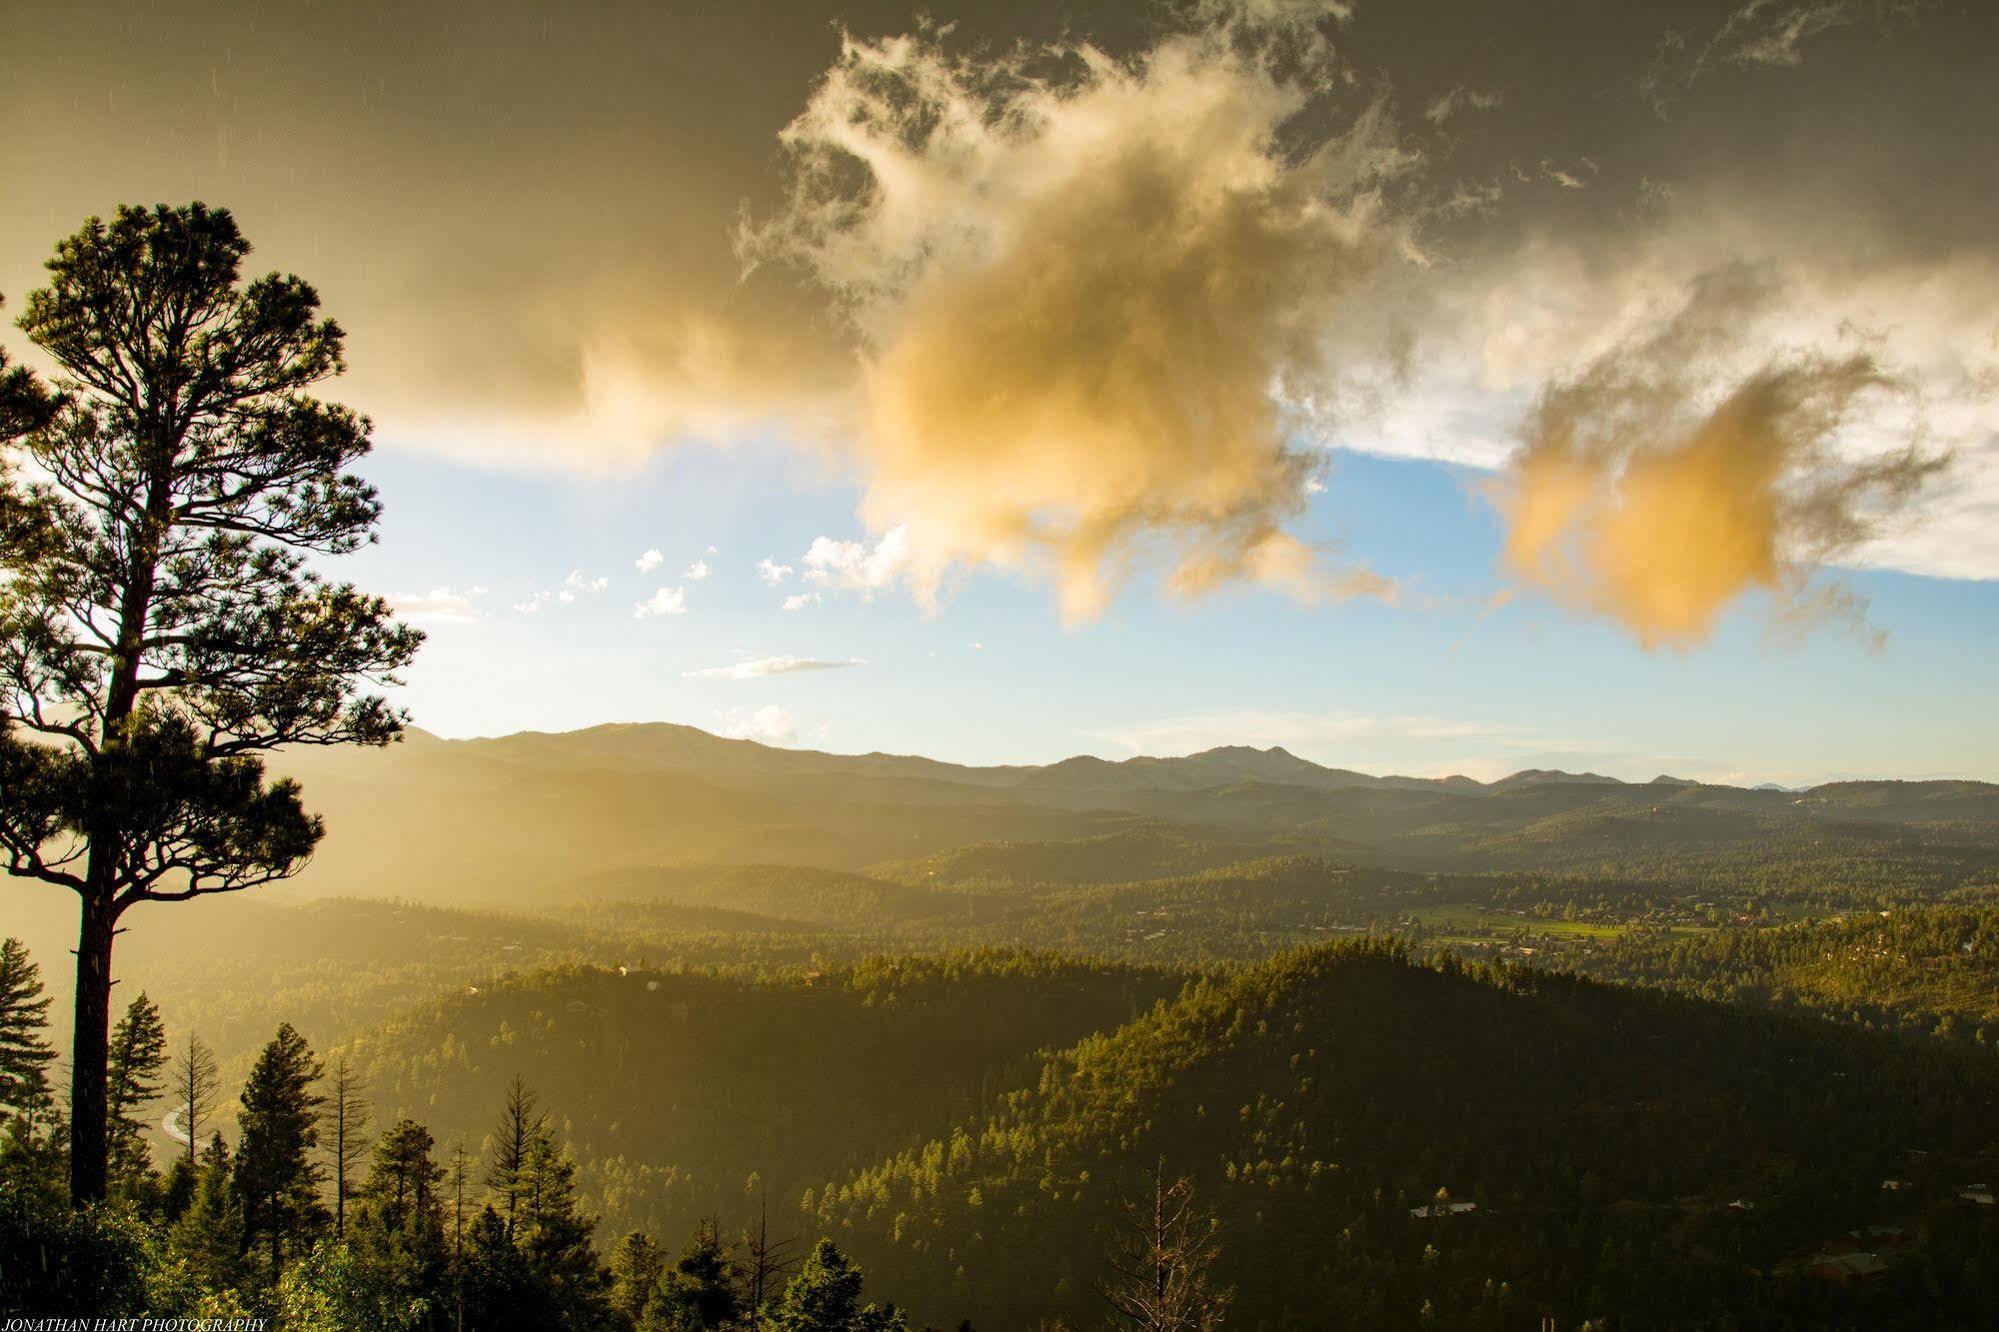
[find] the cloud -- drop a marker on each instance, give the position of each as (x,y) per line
(576,585)
(1659,486)
(771,724)
(1076,290)
(666,601)
(439,606)
(772,572)
(696,571)
(1442,108)
(649,561)
(766,666)
(800,600)
(858,566)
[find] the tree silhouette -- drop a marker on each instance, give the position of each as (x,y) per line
(24,1051)
(197,1084)
(347,1117)
(521,1124)
(160,627)
(276,1179)
(1160,1261)
(137,1055)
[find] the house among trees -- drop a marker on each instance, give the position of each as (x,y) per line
(1439,1209)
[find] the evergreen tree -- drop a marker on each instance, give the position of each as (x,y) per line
(521,1123)
(25,1053)
(210,1235)
(703,1286)
(137,1056)
(636,1266)
(402,1188)
(161,623)
(25,406)
(553,1233)
(825,1296)
(276,1179)
(397,1259)
(499,1293)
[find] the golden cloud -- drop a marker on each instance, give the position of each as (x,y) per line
(1658,488)
(1085,288)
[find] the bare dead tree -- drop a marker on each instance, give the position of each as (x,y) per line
(1161,1258)
(197,1081)
(347,1116)
(765,1260)
(459,1175)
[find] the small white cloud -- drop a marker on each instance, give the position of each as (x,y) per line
(713,551)
(531,604)
(857,566)
(576,582)
(666,601)
(439,606)
(772,572)
(649,561)
(771,724)
(800,600)
(766,666)
(696,571)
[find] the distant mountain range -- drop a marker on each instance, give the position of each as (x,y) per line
(532,815)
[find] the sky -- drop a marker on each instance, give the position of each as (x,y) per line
(1421,387)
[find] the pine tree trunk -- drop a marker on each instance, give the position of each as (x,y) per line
(90,1045)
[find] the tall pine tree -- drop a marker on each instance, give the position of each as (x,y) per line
(162,621)
(138,1054)
(276,1179)
(25,1053)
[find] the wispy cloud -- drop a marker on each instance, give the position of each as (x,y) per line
(439,605)
(767,666)
(649,561)
(772,572)
(696,571)
(578,584)
(800,600)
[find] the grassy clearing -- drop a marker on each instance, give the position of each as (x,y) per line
(1469,924)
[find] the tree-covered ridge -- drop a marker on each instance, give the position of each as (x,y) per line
(1319,1098)
(680,1085)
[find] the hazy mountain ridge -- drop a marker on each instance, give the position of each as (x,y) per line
(522,817)
(671,746)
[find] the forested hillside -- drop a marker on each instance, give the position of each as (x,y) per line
(1931,971)
(1634,1158)
(678,1087)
